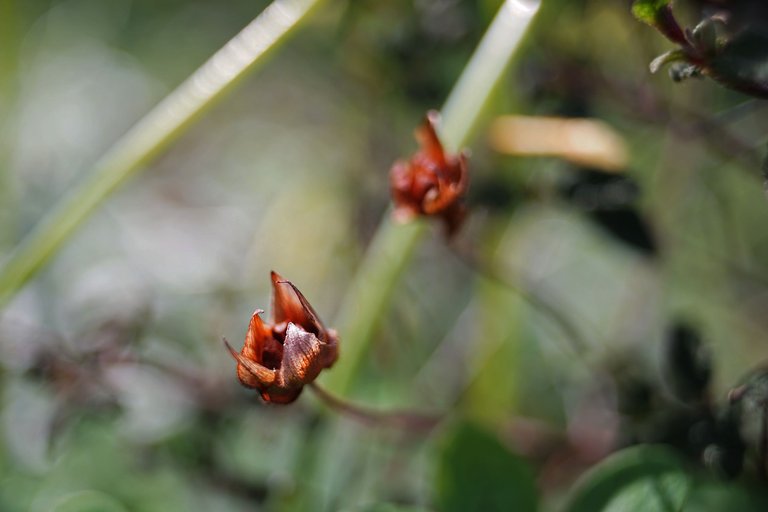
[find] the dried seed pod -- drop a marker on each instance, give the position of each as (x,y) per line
(279,358)
(431,182)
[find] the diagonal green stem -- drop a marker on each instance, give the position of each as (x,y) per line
(393,246)
(153,134)
(472,91)
(9,49)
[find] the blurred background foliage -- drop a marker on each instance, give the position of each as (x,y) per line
(116,392)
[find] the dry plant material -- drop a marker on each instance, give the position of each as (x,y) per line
(431,182)
(586,142)
(281,357)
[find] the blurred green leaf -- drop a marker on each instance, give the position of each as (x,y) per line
(653,493)
(390,507)
(100,460)
(648,10)
(714,496)
(88,501)
(647,476)
(742,63)
(476,472)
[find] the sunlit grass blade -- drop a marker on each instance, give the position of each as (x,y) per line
(153,134)
(392,247)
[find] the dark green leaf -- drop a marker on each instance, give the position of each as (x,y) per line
(666,492)
(476,472)
(390,507)
(650,477)
(764,171)
(742,63)
(654,479)
(716,496)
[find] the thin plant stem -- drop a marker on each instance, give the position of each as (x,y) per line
(393,246)
(578,343)
(153,134)
(530,437)
(365,303)
(407,420)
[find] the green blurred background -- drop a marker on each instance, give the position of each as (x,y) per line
(116,392)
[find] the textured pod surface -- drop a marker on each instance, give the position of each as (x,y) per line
(279,358)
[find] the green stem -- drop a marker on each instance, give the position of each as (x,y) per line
(386,258)
(153,134)
(407,420)
(9,49)
(484,70)
(388,255)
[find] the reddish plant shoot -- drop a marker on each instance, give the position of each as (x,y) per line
(279,358)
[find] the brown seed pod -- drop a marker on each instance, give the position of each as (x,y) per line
(279,358)
(431,182)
